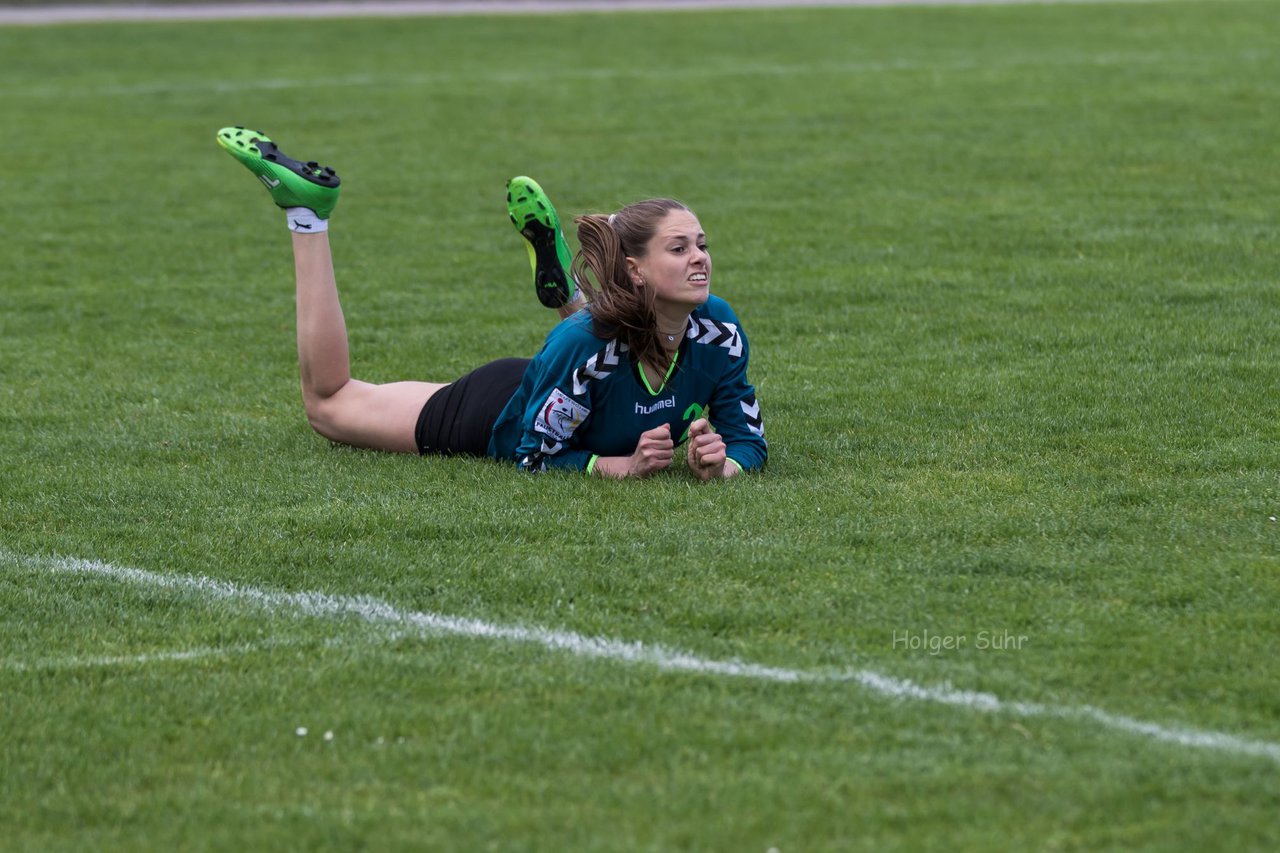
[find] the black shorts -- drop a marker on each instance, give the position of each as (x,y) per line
(459,418)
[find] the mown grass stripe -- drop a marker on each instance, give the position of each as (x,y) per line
(498,76)
(136,660)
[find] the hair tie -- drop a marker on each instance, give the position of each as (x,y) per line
(612,216)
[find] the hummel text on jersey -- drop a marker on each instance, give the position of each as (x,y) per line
(669,403)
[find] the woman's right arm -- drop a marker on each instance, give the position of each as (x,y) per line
(654,451)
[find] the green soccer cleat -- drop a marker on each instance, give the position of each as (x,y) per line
(290,182)
(549,254)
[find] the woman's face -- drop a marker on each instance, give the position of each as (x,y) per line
(676,264)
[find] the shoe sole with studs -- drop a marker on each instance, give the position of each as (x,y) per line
(292,183)
(535,218)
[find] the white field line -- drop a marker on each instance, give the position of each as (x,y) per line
(383,614)
(82,13)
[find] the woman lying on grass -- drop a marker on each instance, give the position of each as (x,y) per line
(645,361)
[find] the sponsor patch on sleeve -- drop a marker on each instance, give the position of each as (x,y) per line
(560,415)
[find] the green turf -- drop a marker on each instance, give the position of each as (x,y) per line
(1009,276)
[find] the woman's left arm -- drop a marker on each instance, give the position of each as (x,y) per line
(736,412)
(707,453)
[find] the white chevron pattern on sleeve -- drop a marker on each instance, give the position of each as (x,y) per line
(598,366)
(751,409)
(713,332)
(536,463)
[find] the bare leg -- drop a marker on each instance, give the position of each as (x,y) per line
(572,307)
(338,407)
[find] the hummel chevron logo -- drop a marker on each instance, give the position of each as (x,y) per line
(751,410)
(536,462)
(271,184)
(720,334)
(598,366)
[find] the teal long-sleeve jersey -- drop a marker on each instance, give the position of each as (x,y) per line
(584,396)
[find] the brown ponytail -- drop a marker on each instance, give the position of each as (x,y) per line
(619,308)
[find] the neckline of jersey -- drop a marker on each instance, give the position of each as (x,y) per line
(645,379)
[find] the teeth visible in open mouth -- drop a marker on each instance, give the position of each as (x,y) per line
(698,276)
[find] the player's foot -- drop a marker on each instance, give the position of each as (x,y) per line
(531,212)
(291,183)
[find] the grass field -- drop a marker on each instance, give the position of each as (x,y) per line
(1010,278)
